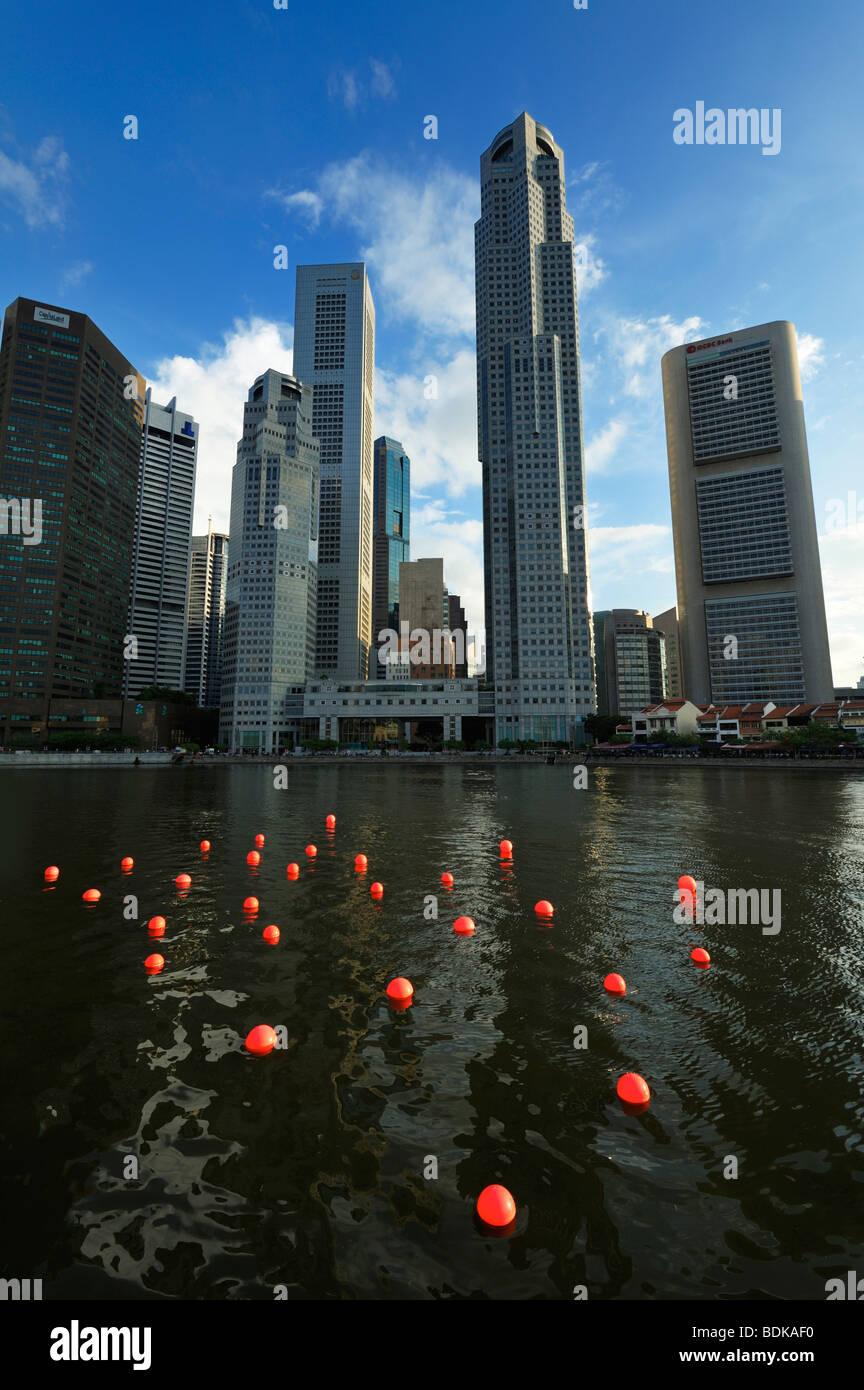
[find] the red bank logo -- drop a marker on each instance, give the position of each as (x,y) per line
(713,342)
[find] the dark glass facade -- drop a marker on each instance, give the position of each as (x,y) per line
(391,537)
(70,441)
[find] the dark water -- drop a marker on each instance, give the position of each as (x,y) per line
(306,1168)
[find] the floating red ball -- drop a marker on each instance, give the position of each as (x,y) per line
(253,858)
(506,849)
(400,988)
(377,890)
(360,863)
(153,964)
(183,880)
(615,984)
(632,1089)
(259,840)
(251,904)
(496,1206)
(700,957)
(261,1040)
(330,822)
(293,870)
(311,850)
(687,882)
(544,908)
(447,880)
(463,926)
(127,864)
(205,846)
(52,873)
(271,934)
(156,926)
(92,895)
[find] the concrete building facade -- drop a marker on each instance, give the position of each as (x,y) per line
(334,352)
(539,647)
(750,601)
(270,606)
(205,616)
(160,565)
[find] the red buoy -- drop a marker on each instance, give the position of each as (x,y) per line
(615,984)
(261,1040)
(253,857)
(496,1206)
(400,988)
(153,964)
(330,822)
(52,873)
(251,905)
(544,908)
(92,895)
(183,880)
(632,1089)
(464,926)
(127,864)
(205,846)
(259,840)
(687,882)
(377,890)
(271,934)
(360,863)
(156,926)
(447,880)
(700,957)
(311,850)
(293,870)
(506,848)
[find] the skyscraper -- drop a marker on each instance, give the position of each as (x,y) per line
(269,633)
(160,566)
(424,608)
(750,603)
(667,623)
(205,616)
(391,535)
(334,352)
(530,440)
(630,661)
(71,409)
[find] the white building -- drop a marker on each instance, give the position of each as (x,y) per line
(160,569)
(750,602)
(334,352)
(269,631)
(538,632)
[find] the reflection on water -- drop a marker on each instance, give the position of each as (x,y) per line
(306,1168)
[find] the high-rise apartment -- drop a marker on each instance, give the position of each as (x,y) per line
(750,602)
(391,535)
(205,615)
(71,409)
(424,608)
(667,623)
(539,649)
(160,566)
(334,352)
(269,632)
(630,660)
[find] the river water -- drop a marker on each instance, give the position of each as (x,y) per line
(146,1154)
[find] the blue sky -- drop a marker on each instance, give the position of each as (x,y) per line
(303,127)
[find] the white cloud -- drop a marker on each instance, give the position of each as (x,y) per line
(213,388)
(602,447)
(305,203)
(37,190)
(590,270)
(639,345)
(76,274)
(382,84)
(811,355)
(622,558)
(439,434)
(842,556)
(435,530)
(344,85)
(417,237)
